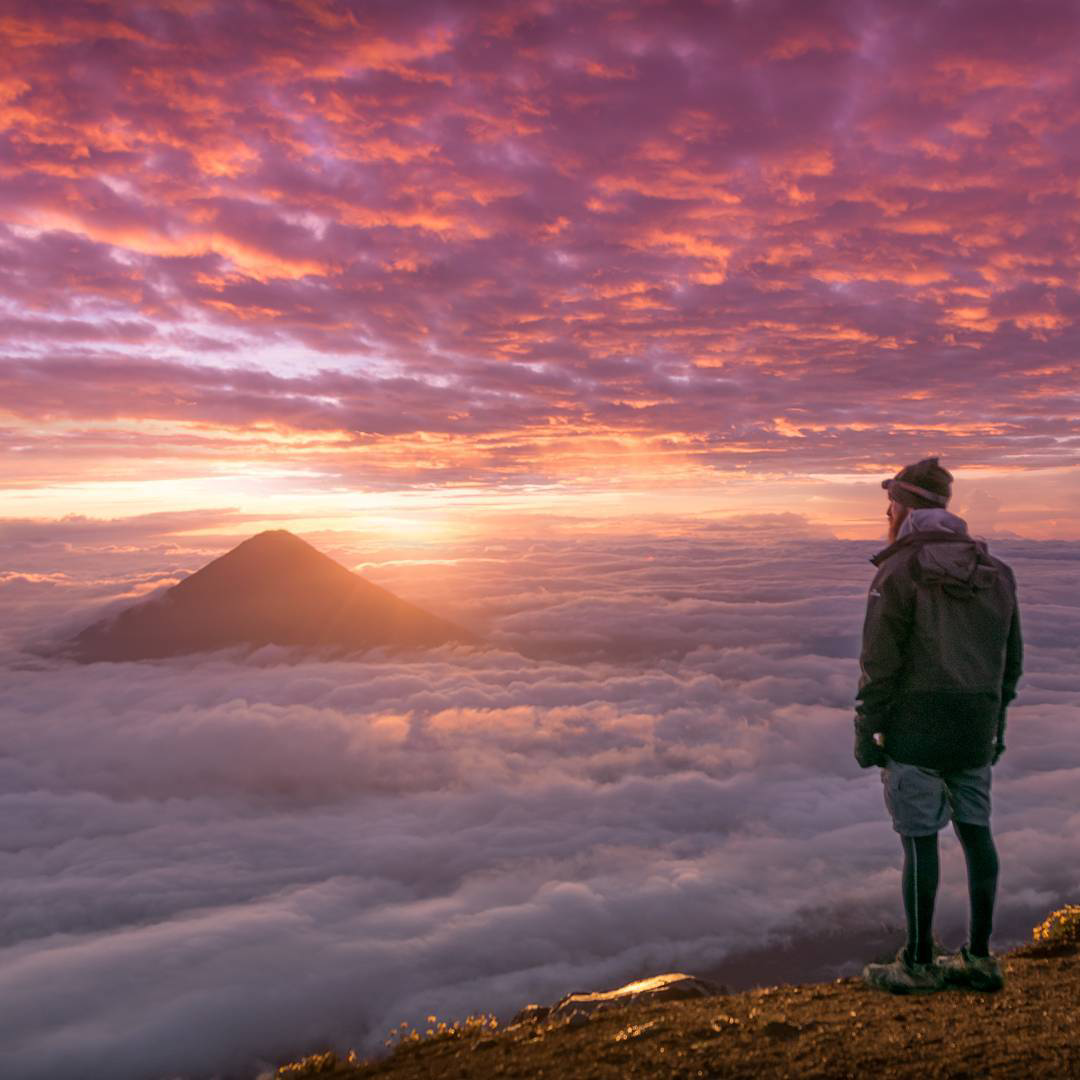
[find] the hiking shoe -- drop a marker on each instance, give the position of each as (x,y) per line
(900,977)
(974,972)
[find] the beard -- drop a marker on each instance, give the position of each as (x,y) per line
(896,519)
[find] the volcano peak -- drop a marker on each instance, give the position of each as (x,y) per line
(273,588)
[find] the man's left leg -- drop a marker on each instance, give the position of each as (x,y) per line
(919,881)
(916,801)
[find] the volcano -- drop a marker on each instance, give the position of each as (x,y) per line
(272,589)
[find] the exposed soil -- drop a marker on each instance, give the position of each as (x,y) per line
(838,1029)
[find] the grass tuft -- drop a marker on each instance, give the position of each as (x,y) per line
(1062,927)
(439,1030)
(315,1065)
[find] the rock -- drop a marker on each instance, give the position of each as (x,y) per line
(531,1014)
(781,1030)
(673,986)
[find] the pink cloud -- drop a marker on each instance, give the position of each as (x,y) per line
(806,241)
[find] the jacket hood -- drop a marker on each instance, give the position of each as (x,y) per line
(947,556)
(932,519)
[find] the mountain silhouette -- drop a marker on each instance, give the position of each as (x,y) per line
(272,589)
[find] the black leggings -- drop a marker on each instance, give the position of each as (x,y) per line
(920,885)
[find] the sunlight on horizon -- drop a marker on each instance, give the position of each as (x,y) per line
(849,506)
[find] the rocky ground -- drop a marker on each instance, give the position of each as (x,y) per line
(839,1029)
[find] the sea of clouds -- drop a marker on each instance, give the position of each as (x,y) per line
(214,863)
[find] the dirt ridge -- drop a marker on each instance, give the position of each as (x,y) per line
(837,1029)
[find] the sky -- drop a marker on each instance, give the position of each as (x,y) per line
(219,862)
(430,264)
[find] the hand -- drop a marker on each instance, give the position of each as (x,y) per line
(867,751)
(999,744)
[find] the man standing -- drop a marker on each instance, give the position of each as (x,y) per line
(941,657)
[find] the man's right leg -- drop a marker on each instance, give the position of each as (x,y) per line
(982,872)
(969,797)
(969,800)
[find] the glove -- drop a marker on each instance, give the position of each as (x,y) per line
(867,751)
(999,745)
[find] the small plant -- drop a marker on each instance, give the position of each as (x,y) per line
(315,1065)
(1060,928)
(438,1030)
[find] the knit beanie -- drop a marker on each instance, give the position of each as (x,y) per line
(923,484)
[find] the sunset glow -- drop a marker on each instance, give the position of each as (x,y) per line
(700,259)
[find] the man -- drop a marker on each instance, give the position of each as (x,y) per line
(941,657)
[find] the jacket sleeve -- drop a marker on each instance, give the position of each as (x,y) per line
(1014,659)
(889,615)
(1014,665)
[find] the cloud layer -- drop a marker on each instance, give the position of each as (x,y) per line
(392,244)
(224,860)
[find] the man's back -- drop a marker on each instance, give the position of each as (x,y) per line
(941,648)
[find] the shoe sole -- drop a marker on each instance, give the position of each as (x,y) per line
(905,991)
(967,982)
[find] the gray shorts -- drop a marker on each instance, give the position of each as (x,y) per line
(922,801)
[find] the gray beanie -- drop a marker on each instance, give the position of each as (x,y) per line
(923,484)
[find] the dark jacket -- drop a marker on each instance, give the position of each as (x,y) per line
(941,649)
